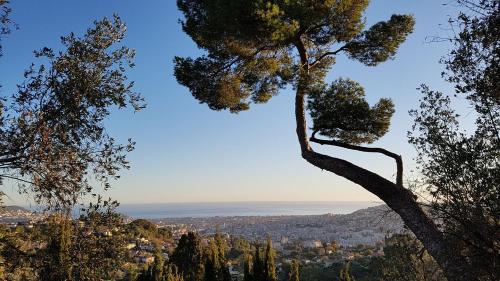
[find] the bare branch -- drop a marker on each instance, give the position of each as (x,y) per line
(396,157)
(318,60)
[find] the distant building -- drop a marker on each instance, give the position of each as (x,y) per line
(284,240)
(312,244)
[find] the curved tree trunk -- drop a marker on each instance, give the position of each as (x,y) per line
(398,198)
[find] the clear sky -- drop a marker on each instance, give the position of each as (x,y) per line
(188,153)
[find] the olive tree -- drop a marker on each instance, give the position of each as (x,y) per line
(460,163)
(53,141)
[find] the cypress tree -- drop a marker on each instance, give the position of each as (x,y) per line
(269,264)
(294,271)
(247,268)
(188,257)
(212,264)
(57,261)
(258,265)
(158,265)
(223,271)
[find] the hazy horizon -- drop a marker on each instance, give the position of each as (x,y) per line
(232,209)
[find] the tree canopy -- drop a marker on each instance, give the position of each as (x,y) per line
(250,45)
(255,48)
(460,164)
(341,112)
(52,137)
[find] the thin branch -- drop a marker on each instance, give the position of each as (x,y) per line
(396,157)
(9,159)
(318,60)
(16,178)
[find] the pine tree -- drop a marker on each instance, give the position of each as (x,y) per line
(294,271)
(255,48)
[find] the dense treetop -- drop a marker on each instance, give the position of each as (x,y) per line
(251,52)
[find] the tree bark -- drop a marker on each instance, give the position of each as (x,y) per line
(398,198)
(396,157)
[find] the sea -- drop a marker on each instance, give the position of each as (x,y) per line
(230,209)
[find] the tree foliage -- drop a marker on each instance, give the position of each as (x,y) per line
(250,45)
(216,268)
(405,259)
(90,248)
(341,112)
(255,48)
(294,274)
(261,265)
(269,262)
(188,257)
(460,163)
(473,65)
(6,23)
(53,139)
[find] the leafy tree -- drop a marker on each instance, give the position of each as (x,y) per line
(255,48)
(99,247)
(294,271)
(53,142)
(5,29)
(52,137)
(405,259)
(15,255)
(460,166)
(91,248)
(188,257)
(54,261)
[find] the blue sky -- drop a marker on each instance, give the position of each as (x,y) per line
(188,153)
